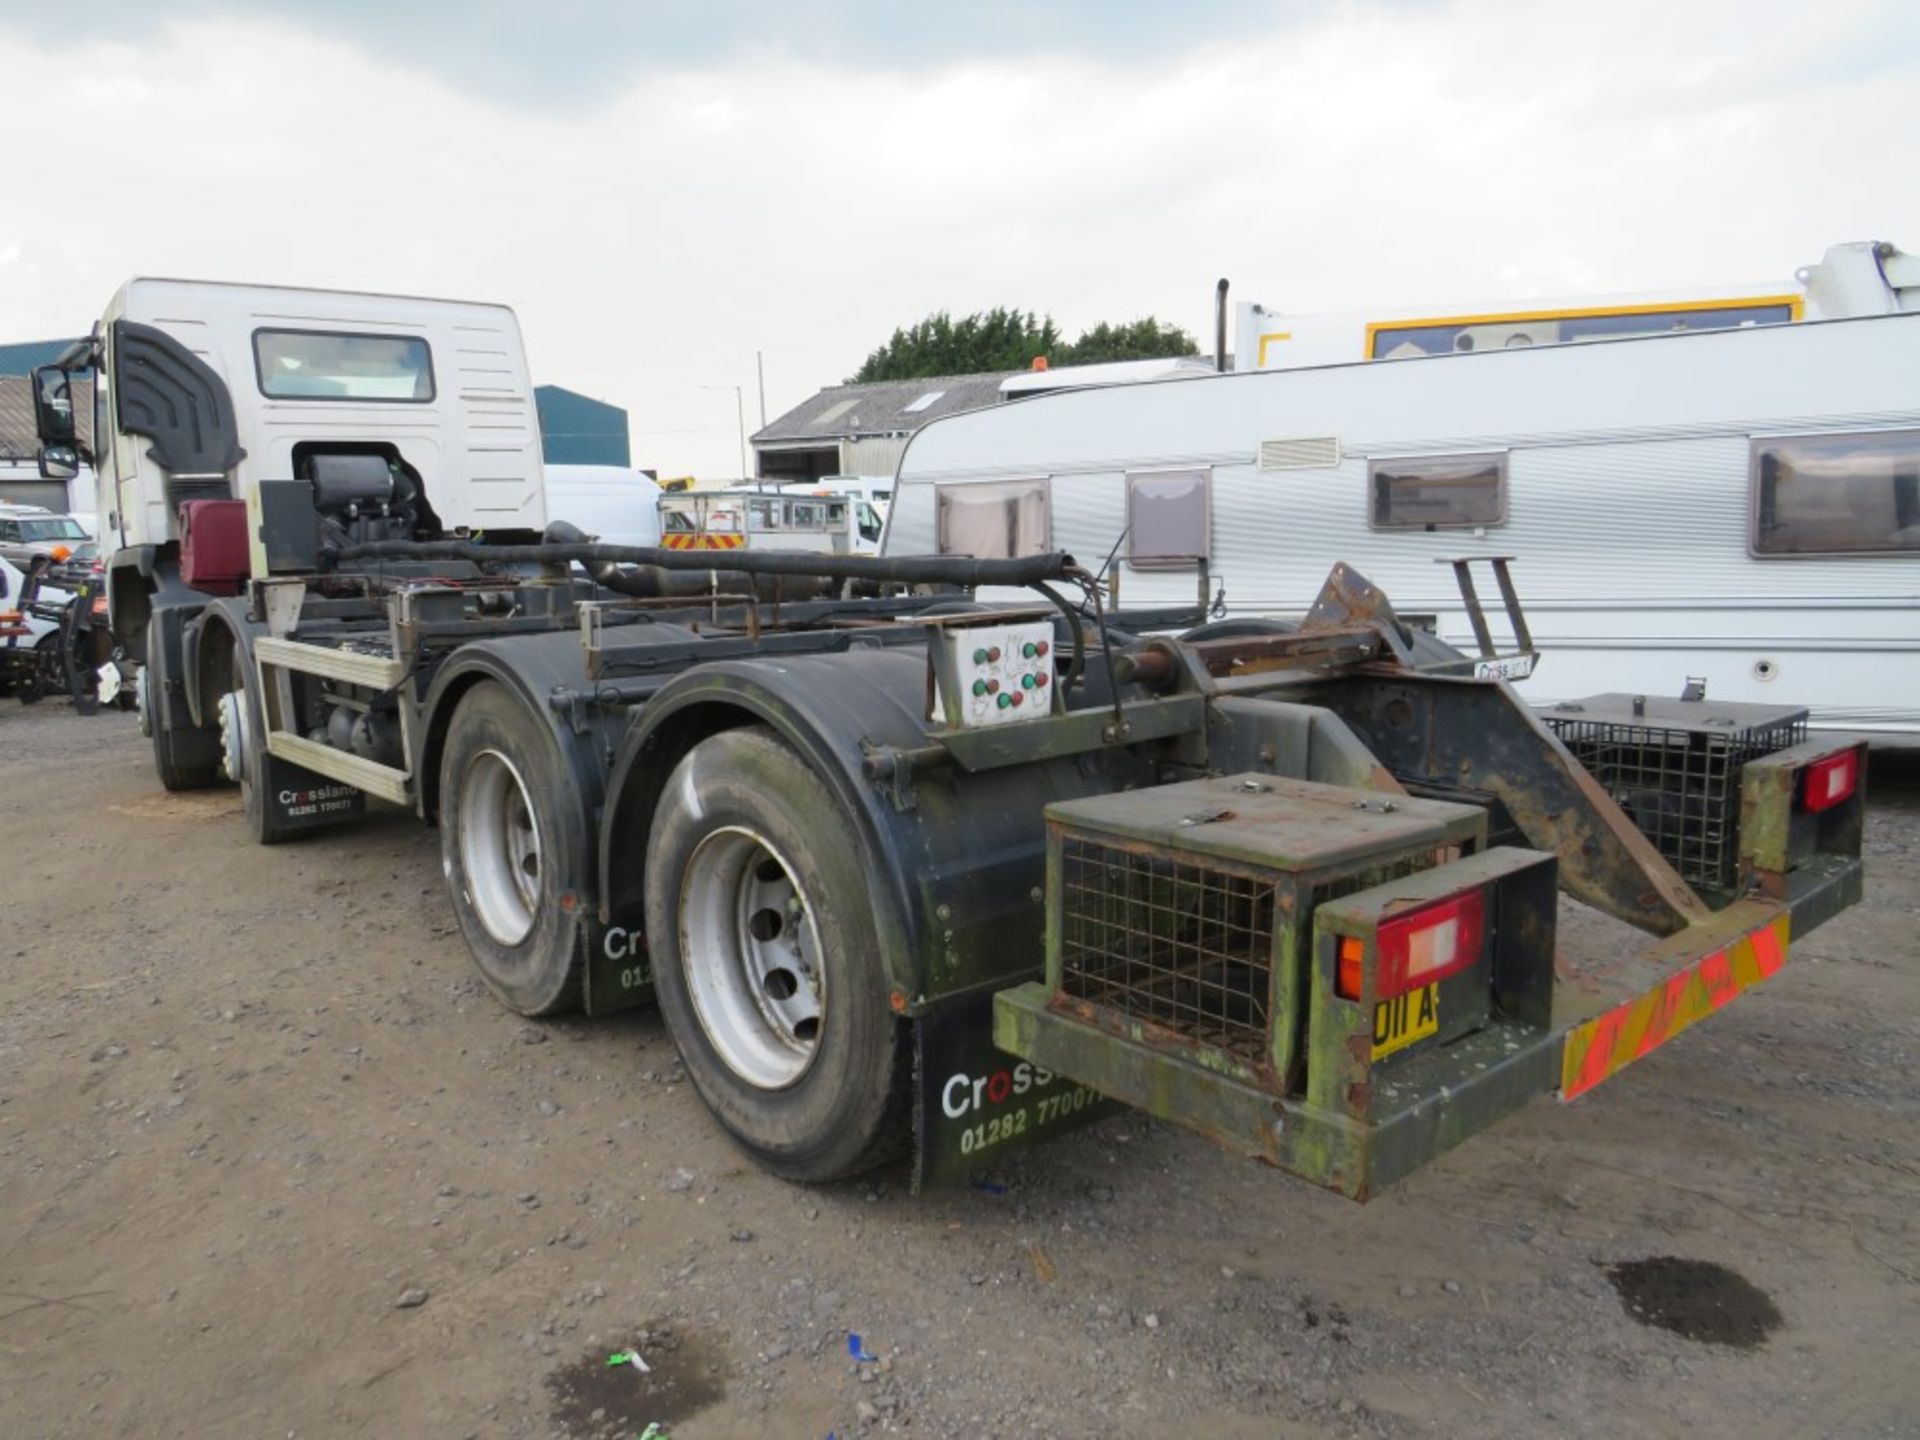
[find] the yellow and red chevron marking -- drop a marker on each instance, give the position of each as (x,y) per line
(702,542)
(1610,1042)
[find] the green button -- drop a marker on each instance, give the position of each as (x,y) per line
(1026,682)
(1005,701)
(1028,651)
(980,656)
(979,687)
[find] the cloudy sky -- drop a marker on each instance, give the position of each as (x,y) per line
(663,189)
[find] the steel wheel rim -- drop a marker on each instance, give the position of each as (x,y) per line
(233,734)
(499,847)
(750,954)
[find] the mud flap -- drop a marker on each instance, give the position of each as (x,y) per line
(619,972)
(298,799)
(974,1103)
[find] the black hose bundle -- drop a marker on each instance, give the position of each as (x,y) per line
(903,570)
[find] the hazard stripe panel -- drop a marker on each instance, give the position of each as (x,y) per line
(1610,1042)
(702,542)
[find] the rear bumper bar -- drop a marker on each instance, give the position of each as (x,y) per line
(1618,1014)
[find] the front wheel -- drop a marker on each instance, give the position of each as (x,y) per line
(179,753)
(508,847)
(767,964)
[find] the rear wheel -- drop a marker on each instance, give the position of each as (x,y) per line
(766,960)
(243,760)
(508,849)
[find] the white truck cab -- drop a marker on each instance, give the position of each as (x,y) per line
(373,417)
(438,388)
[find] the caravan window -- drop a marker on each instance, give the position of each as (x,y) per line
(1837,494)
(328,365)
(1001,521)
(1431,492)
(1169,517)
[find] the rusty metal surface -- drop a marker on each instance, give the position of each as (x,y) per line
(1522,635)
(1776,834)
(1470,597)
(1348,599)
(1468,736)
(1273,821)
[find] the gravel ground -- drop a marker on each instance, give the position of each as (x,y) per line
(272,1163)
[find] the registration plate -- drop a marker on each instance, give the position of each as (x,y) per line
(1398,1022)
(1511,667)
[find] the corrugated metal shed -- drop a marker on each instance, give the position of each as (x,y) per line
(18,439)
(21,358)
(576,429)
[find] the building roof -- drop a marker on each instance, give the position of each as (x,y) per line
(19,440)
(884,407)
(21,358)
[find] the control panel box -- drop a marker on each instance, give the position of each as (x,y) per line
(993,672)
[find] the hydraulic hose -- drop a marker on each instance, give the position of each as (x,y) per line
(959,570)
(649,582)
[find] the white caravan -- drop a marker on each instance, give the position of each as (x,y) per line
(1741,505)
(1858,278)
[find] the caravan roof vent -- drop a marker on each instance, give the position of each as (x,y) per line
(1303,452)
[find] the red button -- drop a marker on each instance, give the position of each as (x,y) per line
(993,687)
(1018,697)
(1040,681)
(1041,648)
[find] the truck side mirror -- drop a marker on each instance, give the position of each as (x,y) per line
(59,462)
(53,406)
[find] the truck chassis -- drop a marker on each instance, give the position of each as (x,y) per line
(863,922)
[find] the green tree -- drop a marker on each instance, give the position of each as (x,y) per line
(1002,339)
(997,339)
(1145,339)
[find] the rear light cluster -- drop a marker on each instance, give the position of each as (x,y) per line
(1830,781)
(1417,948)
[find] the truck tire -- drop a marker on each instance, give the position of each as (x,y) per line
(766,960)
(507,852)
(174,773)
(242,759)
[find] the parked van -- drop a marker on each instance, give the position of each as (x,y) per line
(794,517)
(876,490)
(620,506)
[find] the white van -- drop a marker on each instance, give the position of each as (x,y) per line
(876,490)
(621,507)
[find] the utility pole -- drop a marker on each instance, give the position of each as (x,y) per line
(760,365)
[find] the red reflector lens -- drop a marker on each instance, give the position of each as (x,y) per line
(1426,945)
(1831,781)
(1351,972)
